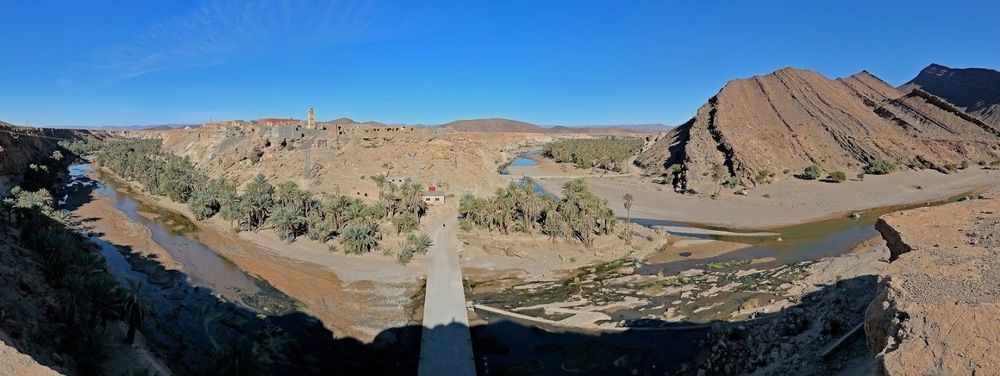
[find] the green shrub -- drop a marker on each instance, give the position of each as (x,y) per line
(256,154)
(965,164)
(881,167)
(812,172)
(405,255)
(837,176)
(731,182)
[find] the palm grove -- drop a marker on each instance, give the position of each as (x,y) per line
(287,209)
(85,296)
(579,215)
(606,153)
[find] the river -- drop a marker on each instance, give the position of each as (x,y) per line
(800,242)
(208,304)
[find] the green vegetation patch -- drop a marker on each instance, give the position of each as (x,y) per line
(726,264)
(606,153)
(286,208)
(880,167)
(579,215)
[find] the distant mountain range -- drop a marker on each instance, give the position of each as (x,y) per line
(150,127)
(974,90)
(500,125)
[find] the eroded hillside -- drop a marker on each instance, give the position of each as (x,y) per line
(777,124)
(19,146)
(974,90)
(344,159)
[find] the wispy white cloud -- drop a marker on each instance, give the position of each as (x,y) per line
(219,31)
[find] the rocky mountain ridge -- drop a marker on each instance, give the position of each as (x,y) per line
(773,126)
(973,90)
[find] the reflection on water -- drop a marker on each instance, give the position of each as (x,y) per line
(523,162)
(175,234)
(801,242)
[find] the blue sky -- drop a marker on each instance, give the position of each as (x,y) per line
(546,62)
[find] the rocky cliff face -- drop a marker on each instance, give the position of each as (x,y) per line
(937,308)
(19,146)
(974,90)
(778,124)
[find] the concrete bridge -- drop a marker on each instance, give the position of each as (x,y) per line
(445,342)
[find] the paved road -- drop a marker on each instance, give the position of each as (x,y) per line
(445,344)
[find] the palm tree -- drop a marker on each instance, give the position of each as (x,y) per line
(380,182)
(358,238)
(229,204)
(257,201)
(7,204)
(420,243)
(628,216)
(287,221)
(133,311)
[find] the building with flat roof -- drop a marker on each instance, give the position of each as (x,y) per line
(272,122)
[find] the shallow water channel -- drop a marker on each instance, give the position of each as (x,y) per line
(800,242)
(175,234)
(200,266)
(209,304)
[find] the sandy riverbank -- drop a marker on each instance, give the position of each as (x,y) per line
(355,296)
(785,202)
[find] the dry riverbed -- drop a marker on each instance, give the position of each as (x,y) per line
(615,294)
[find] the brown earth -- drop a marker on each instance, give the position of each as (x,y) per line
(785,202)
(973,90)
(937,308)
(13,362)
(19,146)
(324,161)
(354,296)
(790,119)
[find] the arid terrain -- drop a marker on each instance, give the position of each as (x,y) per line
(702,249)
(973,90)
(769,128)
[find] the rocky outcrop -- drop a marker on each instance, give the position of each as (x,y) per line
(14,362)
(772,126)
(19,146)
(974,90)
(937,307)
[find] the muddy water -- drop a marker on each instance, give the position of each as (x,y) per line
(801,242)
(178,236)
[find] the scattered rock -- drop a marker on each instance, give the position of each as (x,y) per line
(942,299)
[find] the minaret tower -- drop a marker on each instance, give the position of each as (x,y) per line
(312,120)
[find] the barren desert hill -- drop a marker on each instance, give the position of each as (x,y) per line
(974,90)
(778,124)
(501,125)
(493,125)
(345,160)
